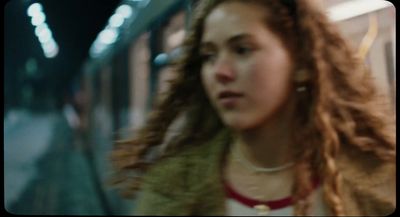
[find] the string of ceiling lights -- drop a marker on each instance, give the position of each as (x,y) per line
(111,33)
(42,30)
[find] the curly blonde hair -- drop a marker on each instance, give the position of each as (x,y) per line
(340,107)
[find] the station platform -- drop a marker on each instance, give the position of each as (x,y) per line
(47,170)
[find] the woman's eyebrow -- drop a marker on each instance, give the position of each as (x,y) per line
(239,37)
(232,40)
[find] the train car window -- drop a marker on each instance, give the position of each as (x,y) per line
(172,37)
(373,35)
(139,76)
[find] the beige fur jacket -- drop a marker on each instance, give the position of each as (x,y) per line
(190,183)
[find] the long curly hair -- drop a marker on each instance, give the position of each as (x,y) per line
(340,108)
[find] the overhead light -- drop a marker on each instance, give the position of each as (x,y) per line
(34,9)
(124,10)
(99,47)
(49,45)
(41,29)
(108,36)
(96,49)
(51,53)
(116,20)
(50,48)
(47,36)
(102,42)
(110,33)
(38,19)
(355,8)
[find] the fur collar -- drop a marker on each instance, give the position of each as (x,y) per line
(190,184)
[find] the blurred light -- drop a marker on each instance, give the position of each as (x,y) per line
(49,45)
(50,49)
(96,49)
(99,47)
(34,9)
(45,37)
(355,8)
(38,19)
(51,53)
(41,29)
(108,36)
(124,10)
(110,33)
(161,59)
(116,20)
(31,66)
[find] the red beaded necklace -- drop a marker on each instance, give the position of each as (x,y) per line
(264,206)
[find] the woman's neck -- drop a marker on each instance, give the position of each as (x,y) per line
(270,144)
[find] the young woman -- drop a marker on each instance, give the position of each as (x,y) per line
(279,118)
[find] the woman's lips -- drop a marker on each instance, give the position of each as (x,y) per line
(229,99)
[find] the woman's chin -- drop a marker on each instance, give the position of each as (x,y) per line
(237,124)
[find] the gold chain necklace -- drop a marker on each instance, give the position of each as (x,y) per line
(240,158)
(261,209)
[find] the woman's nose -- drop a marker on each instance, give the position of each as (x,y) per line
(224,70)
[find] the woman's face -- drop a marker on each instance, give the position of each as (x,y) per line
(246,69)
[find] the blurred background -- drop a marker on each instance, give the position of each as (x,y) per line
(79,74)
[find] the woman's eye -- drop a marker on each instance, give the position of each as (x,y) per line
(206,57)
(243,50)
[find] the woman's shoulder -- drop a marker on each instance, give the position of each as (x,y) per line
(175,169)
(364,167)
(369,184)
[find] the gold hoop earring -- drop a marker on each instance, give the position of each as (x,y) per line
(301,76)
(301,89)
